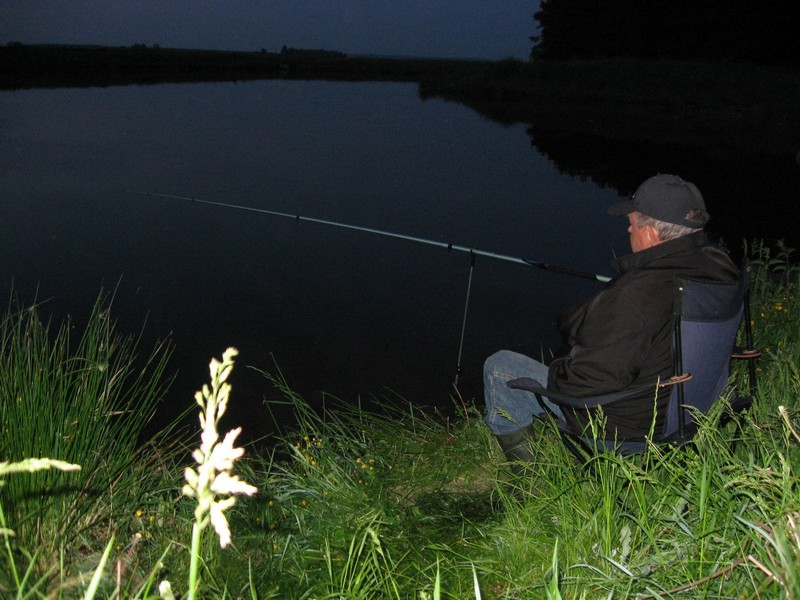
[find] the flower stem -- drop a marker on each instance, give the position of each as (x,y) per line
(195,561)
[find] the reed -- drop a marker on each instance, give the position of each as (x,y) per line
(83,400)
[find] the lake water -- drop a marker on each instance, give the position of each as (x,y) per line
(349,314)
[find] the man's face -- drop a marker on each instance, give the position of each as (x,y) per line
(642,238)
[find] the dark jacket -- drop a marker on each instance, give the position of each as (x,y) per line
(622,337)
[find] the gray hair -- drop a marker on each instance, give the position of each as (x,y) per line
(666,231)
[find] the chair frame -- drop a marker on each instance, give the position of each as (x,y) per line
(683,433)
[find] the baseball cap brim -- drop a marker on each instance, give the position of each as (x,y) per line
(621,208)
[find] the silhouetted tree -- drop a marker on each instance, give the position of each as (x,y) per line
(716,30)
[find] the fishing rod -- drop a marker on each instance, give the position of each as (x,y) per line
(471,251)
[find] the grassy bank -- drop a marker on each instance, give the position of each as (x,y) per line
(395,504)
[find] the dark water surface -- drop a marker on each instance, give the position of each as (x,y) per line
(350,314)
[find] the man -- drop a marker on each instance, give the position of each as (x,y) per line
(622,337)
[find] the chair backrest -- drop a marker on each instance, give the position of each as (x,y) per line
(707,317)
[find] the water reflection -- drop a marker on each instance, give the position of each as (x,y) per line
(342,312)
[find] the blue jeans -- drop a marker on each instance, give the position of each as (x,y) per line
(506,409)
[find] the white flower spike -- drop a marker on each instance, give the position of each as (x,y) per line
(211,481)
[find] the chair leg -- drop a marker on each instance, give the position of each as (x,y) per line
(516,448)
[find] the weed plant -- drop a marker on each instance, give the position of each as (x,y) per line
(83,401)
(398,503)
(357,501)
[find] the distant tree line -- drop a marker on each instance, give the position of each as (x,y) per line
(311,53)
(762,32)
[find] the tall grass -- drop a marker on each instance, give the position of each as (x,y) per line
(358,500)
(397,503)
(82,400)
(714,520)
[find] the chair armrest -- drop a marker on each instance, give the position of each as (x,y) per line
(745,353)
(531,385)
(675,380)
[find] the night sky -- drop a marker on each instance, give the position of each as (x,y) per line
(485,29)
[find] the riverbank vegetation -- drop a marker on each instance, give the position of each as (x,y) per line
(394,503)
(48,65)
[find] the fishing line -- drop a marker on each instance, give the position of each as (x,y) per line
(464,321)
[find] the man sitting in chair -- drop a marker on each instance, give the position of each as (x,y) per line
(622,337)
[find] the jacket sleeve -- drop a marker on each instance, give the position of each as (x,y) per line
(607,349)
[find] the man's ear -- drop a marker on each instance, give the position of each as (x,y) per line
(652,235)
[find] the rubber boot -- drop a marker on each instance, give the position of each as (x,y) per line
(516,447)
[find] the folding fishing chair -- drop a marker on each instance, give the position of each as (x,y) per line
(706,320)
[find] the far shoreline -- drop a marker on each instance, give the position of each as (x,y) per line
(729,107)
